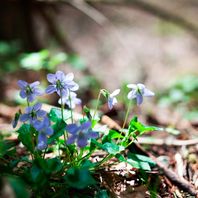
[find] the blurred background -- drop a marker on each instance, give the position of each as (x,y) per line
(106,44)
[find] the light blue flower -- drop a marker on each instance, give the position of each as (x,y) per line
(139,91)
(29,90)
(61,83)
(80,134)
(112,99)
(71,100)
(33,113)
(44,129)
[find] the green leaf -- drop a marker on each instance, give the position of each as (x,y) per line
(54,165)
(87,112)
(102,194)
(112,148)
(18,187)
(77,62)
(59,128)
(34,60)
(137,128)
(137,161)
(55,114)
(26,136)
(141,158)
(79,178)
(111,135)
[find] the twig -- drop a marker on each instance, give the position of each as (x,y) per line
(167,141)
(148,140)
(88,10)
(172,176)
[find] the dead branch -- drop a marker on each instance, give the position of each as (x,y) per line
(172,176)
(154,10)
(88,10)
(167,141)
(49,17)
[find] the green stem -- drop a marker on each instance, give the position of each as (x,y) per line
(70,102)
(127,115)
(97,104)
(62,115)
(107,157)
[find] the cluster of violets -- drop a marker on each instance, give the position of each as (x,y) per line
(65,87)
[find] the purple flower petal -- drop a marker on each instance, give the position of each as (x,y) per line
(85,125)
(31,98)
(22,84)
(41,113)
(82,141)
(93,134)
(34,84)
(49,131)
(131,94)
(72,128)
(42,142)
(71,139)
(69,77)
(50,89)
(24,117)
(22,93)
(51,78)
(37,106)
(139,99)
(148,93)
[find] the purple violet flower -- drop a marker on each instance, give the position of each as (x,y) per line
(33,113)
(74,100)
(44,129)
(61,83)
(80,134)
(29,90)
(138,91)
(112,99)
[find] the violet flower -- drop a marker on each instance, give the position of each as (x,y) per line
(80,134)
(138,91)
(33,113)
(112,99)
(71,100)
(29,90)
(61,83)
(44,129)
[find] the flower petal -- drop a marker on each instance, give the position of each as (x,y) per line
(41,113)
(131,94)
(23,93)
(148,93)
(85,125)
(139,99)
(50,89)
(132,86)
(24,117)
(34,84)
(72,128)
(115,93)
(69,77)
(51,78)
(93,134)
(71,139)
(82,141)
(49,131)
(37,106)
(22,84)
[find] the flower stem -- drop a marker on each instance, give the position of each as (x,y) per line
(62,115)
(70,102)
(127,115)
(97,104)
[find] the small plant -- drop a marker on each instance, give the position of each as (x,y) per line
(59,147)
